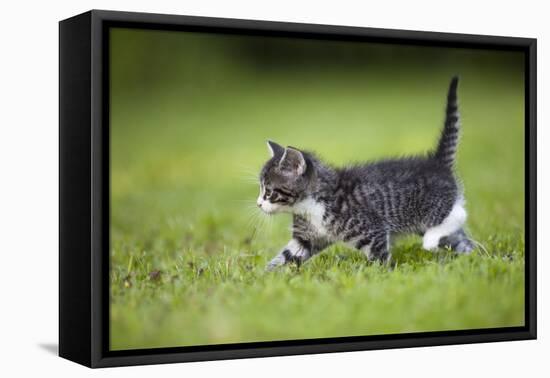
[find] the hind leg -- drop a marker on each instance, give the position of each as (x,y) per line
(376,247)
(451,224)
(458,242)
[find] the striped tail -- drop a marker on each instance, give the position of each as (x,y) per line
(448,142)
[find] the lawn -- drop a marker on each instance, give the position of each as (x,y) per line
(189,247)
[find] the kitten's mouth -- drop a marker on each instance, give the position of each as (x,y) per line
(268,208)
(268,212)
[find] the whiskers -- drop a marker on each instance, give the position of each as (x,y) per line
(257,221)
(248,175)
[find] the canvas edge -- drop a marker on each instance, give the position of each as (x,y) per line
(94,356)
(75,336)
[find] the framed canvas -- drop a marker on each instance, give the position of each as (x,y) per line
(403,163)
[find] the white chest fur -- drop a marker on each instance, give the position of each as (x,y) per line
(314,212)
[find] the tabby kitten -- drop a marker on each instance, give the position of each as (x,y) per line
(366,205)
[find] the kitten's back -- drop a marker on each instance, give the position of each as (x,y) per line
(408,194)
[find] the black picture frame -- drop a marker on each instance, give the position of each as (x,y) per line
(84,189)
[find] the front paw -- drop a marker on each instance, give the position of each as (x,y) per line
(275,263)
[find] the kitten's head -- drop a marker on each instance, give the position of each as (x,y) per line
(284,179)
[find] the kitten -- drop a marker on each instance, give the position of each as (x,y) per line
(365,205)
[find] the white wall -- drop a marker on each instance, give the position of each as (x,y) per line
(28,200)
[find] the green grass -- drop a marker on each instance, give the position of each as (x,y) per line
(188,248)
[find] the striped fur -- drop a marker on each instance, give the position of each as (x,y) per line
(446,149)
(366,205)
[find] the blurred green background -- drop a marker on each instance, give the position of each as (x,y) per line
(190,114)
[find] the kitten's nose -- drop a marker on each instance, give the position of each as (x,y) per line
(259,204)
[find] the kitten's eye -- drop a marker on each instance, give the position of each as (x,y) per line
(268,193)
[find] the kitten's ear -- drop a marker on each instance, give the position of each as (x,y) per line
(275,149)
(293,162)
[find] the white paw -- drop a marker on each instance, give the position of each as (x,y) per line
(276,262)
(301,253)
(430,242)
